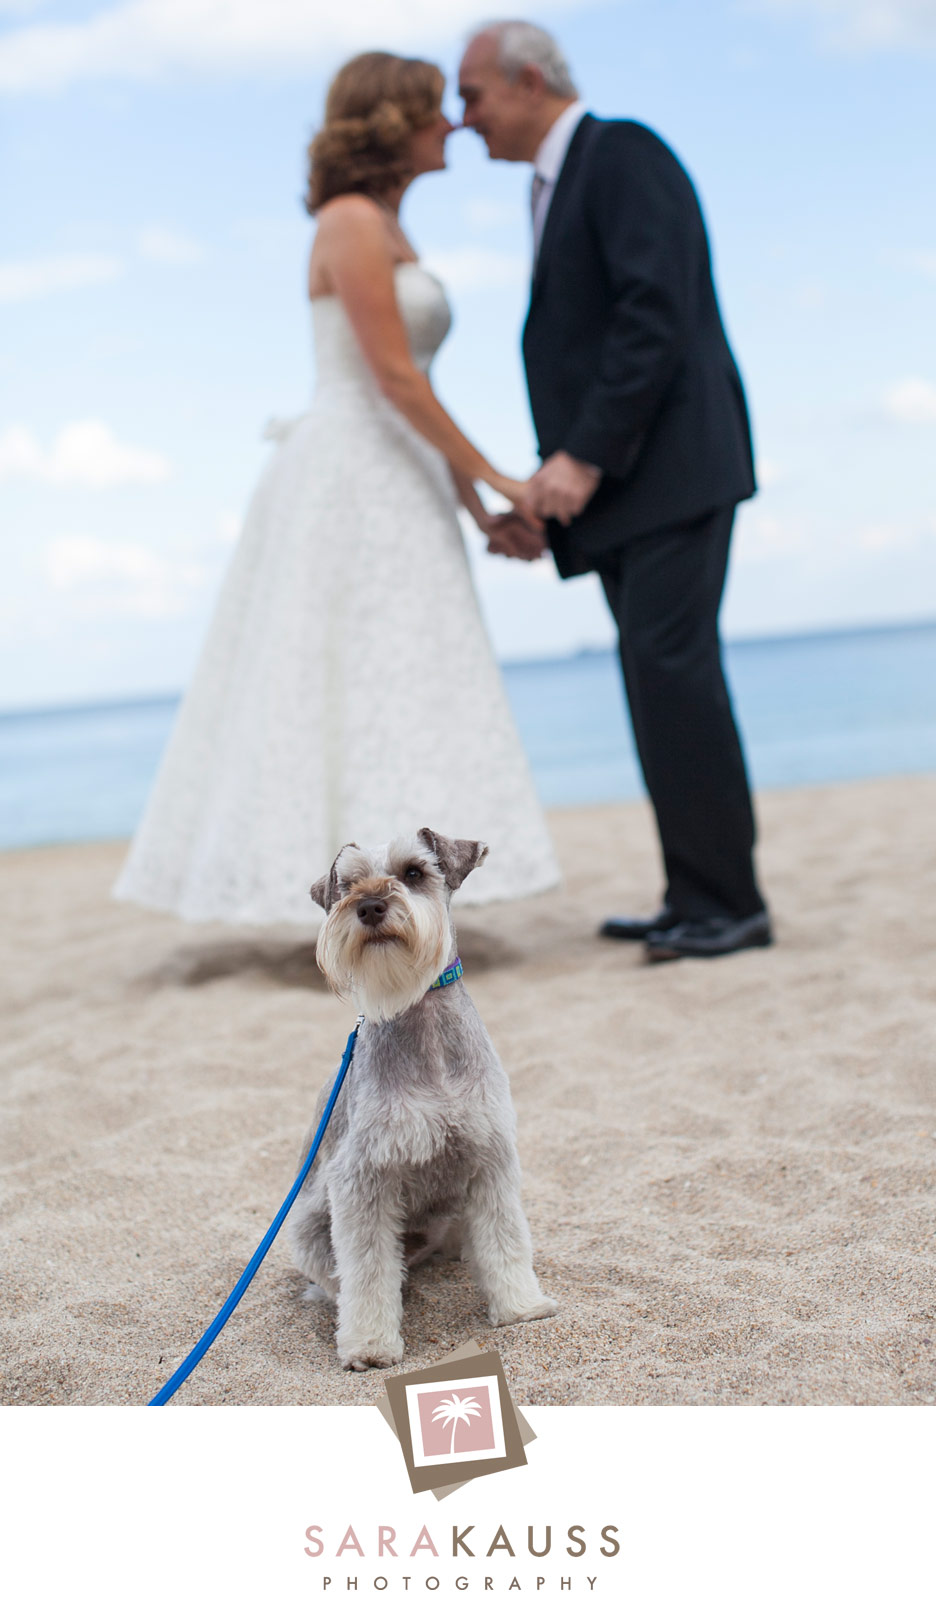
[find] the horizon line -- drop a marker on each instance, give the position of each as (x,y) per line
(157,698)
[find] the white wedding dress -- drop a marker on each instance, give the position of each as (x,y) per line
(347,690)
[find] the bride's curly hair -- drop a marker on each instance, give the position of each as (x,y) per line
(374,104)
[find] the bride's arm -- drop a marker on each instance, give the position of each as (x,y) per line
(352,246)
(508,533)
(469,497)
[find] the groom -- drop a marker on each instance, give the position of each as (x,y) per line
(646,450)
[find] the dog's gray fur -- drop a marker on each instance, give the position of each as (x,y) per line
(420,1154)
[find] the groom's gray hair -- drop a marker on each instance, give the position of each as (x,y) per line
(524,44)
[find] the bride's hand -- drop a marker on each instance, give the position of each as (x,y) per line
(517,492)
(510,535)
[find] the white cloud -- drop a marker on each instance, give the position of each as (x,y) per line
(884,536)
(762,537)
(228,528)
(143,39)
(867,24)
(488,213)
(120,580)
(811,295)
(923,261)
(36,277)
(168,246)
(912,401)
(769,472)
(75,560)
(475,269)
(84,453)
(807,544)
(24,278)
(20,454)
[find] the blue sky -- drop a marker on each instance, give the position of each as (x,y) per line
(151,300)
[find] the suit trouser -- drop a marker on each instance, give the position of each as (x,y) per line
(664,589)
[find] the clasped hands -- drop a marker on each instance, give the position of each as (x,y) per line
(561,489)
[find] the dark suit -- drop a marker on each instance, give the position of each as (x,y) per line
(629,369)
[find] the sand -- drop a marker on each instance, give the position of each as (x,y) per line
(729,1166)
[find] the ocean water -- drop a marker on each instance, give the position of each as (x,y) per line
(812,708)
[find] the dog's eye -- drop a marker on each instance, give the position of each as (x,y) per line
(414,873)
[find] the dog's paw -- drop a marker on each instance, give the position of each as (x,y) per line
(316,1293)
(544,1308)
(371,1355)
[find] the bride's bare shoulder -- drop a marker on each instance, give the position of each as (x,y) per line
(351,214)
(352,236)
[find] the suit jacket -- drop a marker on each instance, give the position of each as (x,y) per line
(627,361)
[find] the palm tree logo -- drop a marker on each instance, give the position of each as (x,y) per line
(456,1408)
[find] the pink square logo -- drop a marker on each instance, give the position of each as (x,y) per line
(453,1421)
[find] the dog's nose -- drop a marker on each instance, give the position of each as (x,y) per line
(370,911)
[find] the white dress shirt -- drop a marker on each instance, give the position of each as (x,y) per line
(547,165)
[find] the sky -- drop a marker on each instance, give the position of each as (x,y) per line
(152,312)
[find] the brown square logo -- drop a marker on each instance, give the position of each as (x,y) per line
(456,1420)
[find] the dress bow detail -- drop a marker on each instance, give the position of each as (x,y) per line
(278,427)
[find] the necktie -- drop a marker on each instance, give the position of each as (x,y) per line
(539,182)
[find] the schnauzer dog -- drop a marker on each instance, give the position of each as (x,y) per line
(420,1155)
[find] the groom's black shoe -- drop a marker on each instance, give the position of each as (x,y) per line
(707,939)
(633,929)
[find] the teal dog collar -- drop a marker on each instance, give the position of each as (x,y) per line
(449,975)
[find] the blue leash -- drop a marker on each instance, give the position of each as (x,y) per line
(214,1329)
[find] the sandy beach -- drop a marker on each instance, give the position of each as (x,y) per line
(729,1166)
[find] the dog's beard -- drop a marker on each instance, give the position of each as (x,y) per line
(386,969)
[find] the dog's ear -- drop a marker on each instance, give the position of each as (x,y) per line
(455,859)
(324,891)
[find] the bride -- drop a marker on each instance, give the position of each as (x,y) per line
(347,690)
